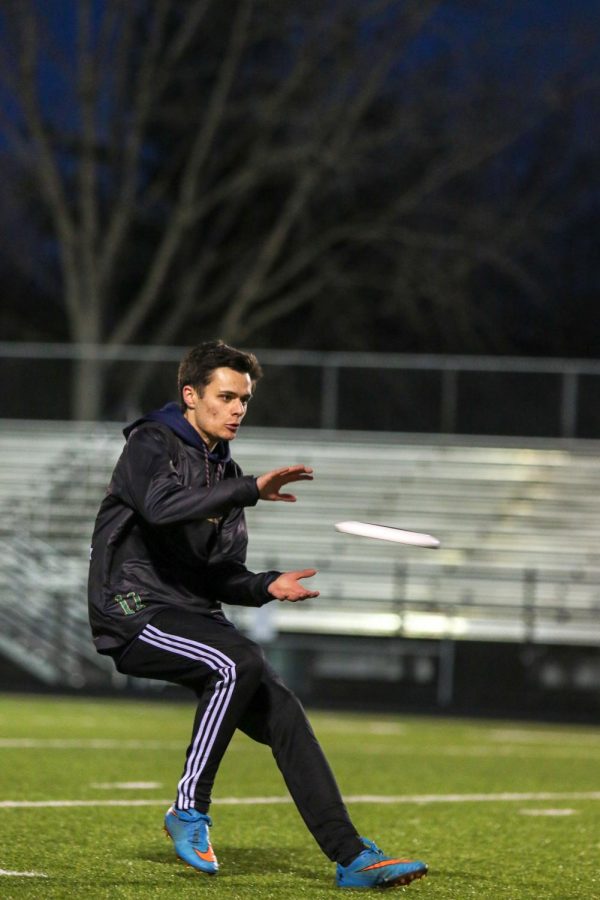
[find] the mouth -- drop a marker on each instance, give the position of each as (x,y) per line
(232,427)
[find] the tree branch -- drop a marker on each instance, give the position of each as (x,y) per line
(178,223)
(283,306)
(328,155)
(142,98)
(47,170)
(88,90)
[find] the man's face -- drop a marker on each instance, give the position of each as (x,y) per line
(217,413)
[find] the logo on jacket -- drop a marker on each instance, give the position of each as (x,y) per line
(130,603)
(215,520)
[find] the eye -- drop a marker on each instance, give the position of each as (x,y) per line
(227,398)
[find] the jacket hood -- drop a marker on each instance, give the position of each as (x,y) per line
(171,416)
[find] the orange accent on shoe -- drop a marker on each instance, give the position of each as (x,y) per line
(206,855)
(386,862)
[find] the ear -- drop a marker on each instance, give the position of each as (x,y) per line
(189,396)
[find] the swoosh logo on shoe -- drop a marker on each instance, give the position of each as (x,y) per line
(386,862)
(206,855)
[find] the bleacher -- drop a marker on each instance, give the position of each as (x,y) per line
(519,530)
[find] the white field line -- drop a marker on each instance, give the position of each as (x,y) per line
(522,751)
(548,812)
(126,785)
(356,798)
(516,750)
(86,744)
(522,736)
(22,874)
(475,798)
(377,728)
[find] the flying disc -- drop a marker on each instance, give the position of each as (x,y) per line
(388,533)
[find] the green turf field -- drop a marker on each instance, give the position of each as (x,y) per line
(498,810)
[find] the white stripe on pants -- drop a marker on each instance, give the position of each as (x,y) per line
(215,711)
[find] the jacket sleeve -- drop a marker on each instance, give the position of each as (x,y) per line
(231,582)
(146,480)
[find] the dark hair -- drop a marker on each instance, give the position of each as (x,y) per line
(199,363)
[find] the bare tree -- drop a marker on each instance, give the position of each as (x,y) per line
(210,168)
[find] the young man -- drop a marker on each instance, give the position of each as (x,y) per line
(168,549)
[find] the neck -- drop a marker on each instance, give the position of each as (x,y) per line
(210,442)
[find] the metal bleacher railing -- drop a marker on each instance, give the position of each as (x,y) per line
(450,394)
(520,555)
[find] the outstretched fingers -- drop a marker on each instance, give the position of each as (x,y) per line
(270,484)
(295,473)
(288,587)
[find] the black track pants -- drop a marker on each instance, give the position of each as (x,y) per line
(236,688)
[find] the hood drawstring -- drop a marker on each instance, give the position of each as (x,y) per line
(218,470)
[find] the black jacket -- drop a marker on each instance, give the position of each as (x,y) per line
(165,536)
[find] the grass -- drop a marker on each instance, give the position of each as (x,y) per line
(482,848)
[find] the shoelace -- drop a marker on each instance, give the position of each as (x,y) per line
(197,832)
(371,846)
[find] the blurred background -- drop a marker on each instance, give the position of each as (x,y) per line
(396,206)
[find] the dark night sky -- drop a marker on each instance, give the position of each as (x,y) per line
(496,44)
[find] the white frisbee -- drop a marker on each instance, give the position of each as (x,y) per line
(388,533)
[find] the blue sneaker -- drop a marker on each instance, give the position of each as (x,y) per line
(371,869)
(188,830)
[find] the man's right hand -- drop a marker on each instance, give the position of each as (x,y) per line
(270,484)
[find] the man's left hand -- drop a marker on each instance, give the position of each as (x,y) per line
(287,586)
